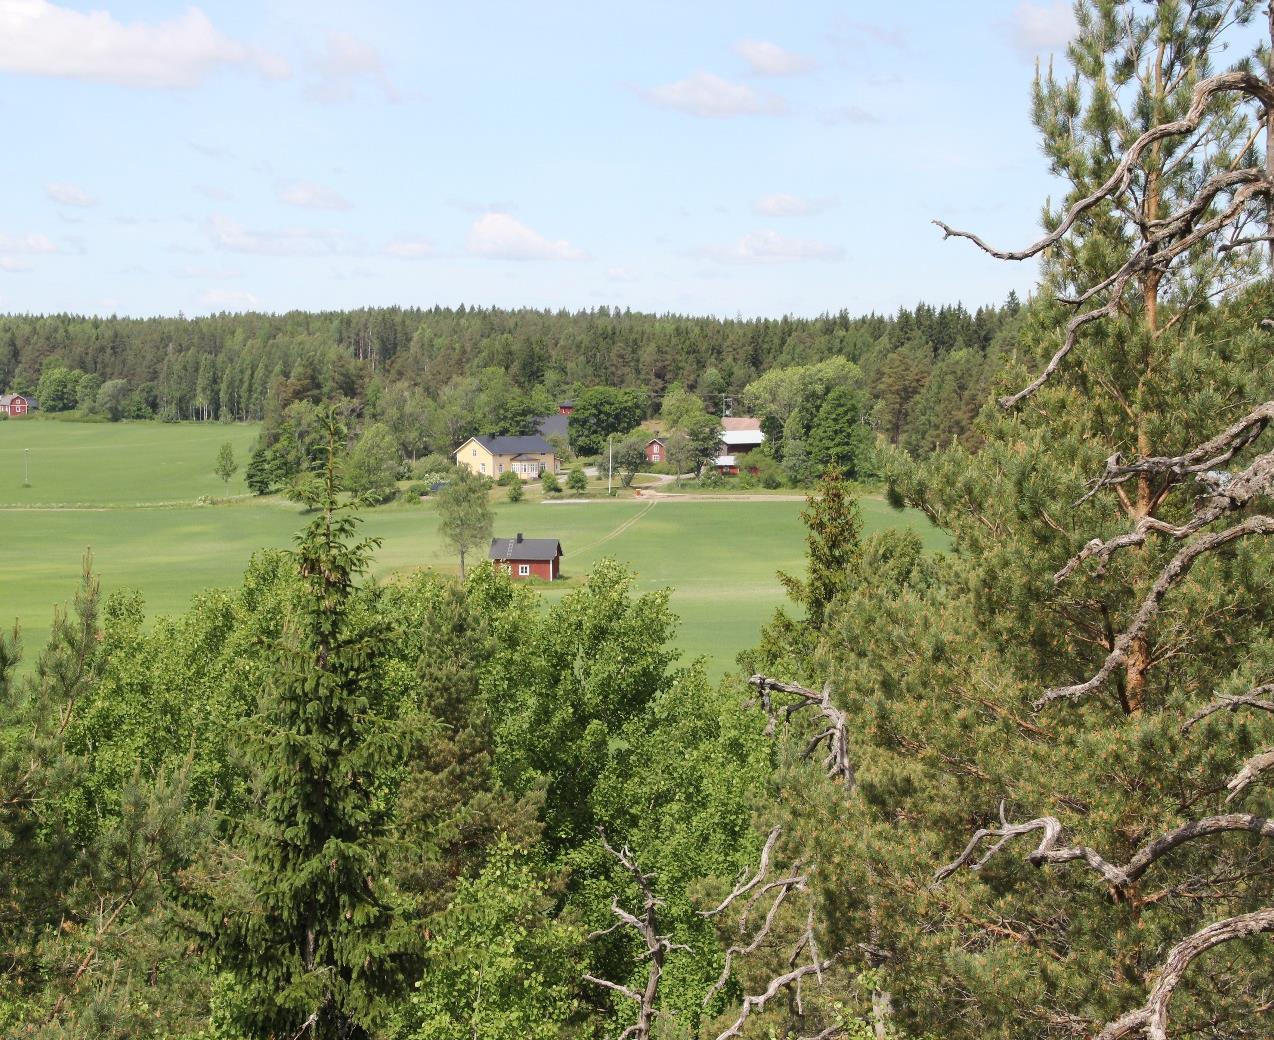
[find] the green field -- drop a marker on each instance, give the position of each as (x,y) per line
(719,556)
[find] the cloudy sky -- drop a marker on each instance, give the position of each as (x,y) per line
(727,157)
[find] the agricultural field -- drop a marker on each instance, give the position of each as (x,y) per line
(132,493)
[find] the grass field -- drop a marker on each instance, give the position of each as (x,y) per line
(720,556)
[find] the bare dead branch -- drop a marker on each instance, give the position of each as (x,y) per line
(836,735)
(1175,570)
(777,985)
(657,946)
(1250,773)
(1052,851)
(744,887)
(1241,82)
(1251,699)
(1151,1019)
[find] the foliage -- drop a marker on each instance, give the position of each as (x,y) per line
(370,468)
(630,458)
(550,483)
(515,490)
(577,480)
(226,466)
(464,514)
(298,910)
(600,412)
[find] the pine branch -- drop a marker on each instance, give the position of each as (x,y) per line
(836,735)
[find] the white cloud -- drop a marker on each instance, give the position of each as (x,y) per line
(852,114)
(782,204)
(769,59)
(234,237)
(42,39)
(309,195)
(343,65)
(69,195)
(712,97)
(32,243)
(1036,27)
(620,274)
(409,248)
(12,266)
(770,247)
(499,237)
(229,300)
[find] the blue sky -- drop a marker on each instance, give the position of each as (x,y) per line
(715,157)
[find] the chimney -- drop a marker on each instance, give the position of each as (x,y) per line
(519,536)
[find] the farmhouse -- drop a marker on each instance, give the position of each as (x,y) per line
(528,557)
(656,450)
(739,435)
(17,404)
(528,457)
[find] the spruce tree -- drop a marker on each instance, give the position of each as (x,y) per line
(302,914)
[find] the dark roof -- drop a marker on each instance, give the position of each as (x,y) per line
(526,549)
(556,423)
(532,445)
(655,440)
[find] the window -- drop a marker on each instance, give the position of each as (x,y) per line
(475,453)
(524,569)
(484,467)
(501,467)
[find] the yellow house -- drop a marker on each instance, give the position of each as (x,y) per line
(528,457)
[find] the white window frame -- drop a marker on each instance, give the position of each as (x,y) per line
(524,570)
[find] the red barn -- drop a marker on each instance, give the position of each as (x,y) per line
(565,407)
(528,557)
(656,450)
(16,404)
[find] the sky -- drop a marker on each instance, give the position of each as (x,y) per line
(727,158)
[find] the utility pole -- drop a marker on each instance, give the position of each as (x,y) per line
(610,462)
(26,467)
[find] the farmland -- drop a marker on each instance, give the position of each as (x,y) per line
(142,496)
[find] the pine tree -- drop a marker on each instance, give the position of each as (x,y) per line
(302,914)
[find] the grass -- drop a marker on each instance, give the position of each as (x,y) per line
(719,556)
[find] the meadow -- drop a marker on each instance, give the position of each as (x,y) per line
(132,492)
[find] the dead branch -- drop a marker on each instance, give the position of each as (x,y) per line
(1251,699)
(1251,771)
(1051,849)
(1176,569)
(806,944)
(836,735)
(657,946)
(742,888)
(1151,1019)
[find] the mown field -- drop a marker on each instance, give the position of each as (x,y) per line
(130,492)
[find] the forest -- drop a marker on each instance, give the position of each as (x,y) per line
(1017,789)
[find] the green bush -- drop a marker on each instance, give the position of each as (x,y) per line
(577,480)
(416,489)
(515,491)
(551,484)
(433,464)
(509,479)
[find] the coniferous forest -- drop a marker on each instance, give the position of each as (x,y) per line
(1021,788)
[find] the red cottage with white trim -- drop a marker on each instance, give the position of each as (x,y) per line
(528,557)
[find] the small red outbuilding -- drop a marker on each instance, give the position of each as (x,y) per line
(528,557)
(656,450)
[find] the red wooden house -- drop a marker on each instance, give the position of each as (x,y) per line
(16,404)
(528,557)
(656,450)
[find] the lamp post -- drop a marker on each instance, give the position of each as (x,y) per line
(610,462)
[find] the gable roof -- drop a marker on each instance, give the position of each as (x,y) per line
(525,549)
(533,445)
(741,438)
(740,422)
(655,440)
(557,423)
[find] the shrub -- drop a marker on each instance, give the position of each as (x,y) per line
(515,491)
(416,489)
(432,465)
(550,482)
(577,480)
(509,479)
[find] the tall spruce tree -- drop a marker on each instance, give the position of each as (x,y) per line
(302,914)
